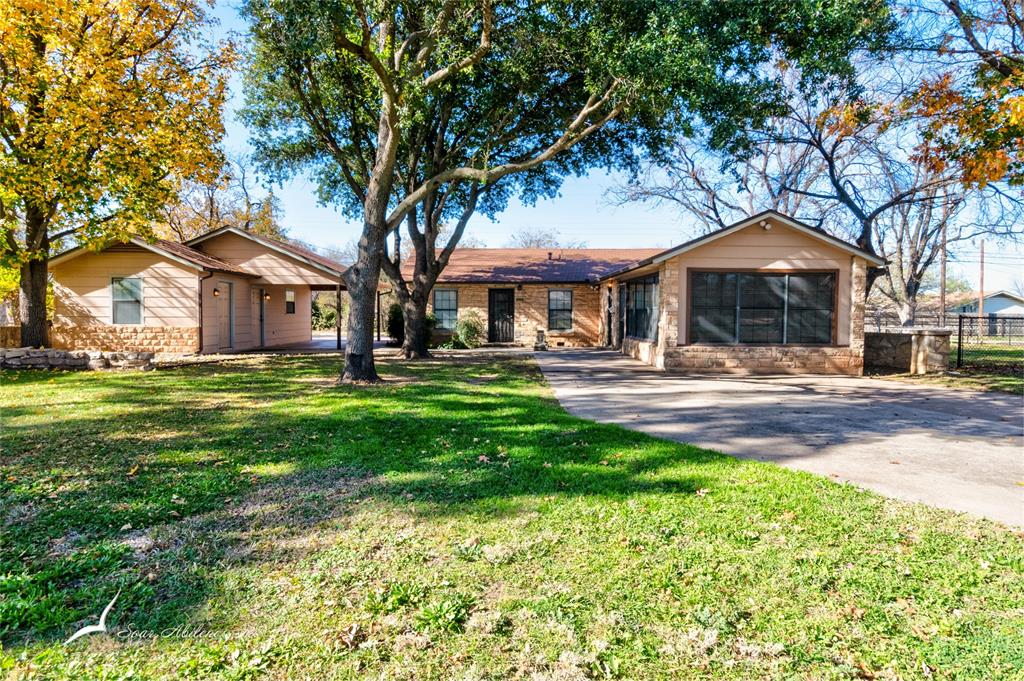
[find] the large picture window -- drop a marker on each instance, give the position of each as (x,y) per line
(446,308)
(559,310)
(126,295)
(742,307)
(642,307)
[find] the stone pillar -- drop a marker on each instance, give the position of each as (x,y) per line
(858,297)
(668,305)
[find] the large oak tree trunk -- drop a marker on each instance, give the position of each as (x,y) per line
(362,279)
(32,287)
(417,336)
(32,303)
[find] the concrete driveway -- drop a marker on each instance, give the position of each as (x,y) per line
(961,450)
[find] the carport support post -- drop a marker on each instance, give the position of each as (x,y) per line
(337,315)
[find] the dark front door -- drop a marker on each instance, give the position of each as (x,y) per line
(501,315)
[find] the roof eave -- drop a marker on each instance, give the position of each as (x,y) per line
(743,224)
(73,253)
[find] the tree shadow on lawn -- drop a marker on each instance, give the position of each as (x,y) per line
(92,461)
(237,478)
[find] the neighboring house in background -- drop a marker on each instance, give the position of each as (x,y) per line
(517,291)
(998,304)
(224,291)
(767,294)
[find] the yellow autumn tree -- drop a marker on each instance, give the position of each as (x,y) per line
(104,106)
(974,111)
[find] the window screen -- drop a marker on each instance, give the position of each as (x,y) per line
(713,307)
(642,308)
(126,294)
(289,302)
(446,308)
(734,307)
(559,310)
(810,308)
(762,308)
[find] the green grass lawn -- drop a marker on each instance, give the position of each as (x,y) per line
(455,523)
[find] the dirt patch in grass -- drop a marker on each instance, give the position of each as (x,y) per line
(966,379)
(273,521)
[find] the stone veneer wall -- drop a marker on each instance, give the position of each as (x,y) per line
(667,354)
(768,359)
(916,351)
(643,350)
(161,339)
(531,312)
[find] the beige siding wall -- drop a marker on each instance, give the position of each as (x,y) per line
(780,248)
(754,248)
(531,311)
(282,328)
(279,327)
(274,268)
(234,299)
(82,295)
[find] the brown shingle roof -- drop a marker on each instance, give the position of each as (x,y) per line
(309,254)
(536,265)
(196,257)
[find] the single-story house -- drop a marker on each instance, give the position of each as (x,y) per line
(998,304)
(517,291)
(224,291)
(767,294)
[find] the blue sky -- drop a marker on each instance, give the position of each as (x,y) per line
(580,212)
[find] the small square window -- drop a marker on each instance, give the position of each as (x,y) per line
(289,302)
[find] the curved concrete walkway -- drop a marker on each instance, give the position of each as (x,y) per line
(961,450)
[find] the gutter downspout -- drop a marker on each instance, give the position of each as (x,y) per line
(201,280)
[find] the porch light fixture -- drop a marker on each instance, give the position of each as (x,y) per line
(216,292)
(266,296)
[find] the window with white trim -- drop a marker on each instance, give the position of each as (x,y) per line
(126,300)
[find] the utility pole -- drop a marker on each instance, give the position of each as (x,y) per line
(942,280)
(981,286)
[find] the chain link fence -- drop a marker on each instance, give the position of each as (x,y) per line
(990,342)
